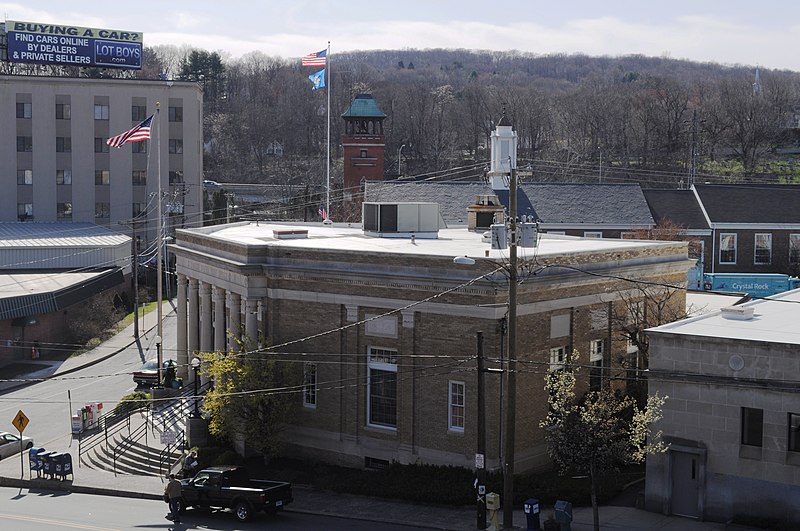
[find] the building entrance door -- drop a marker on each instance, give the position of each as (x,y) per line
(685,484)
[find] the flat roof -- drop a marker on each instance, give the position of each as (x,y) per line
(42,234)
(450,242)
(774,321)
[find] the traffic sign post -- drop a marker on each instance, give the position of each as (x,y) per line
(20,421)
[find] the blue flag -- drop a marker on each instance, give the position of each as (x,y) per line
(318,78)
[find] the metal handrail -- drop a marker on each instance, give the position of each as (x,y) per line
(106,426)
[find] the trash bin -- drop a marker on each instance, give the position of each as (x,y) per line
(34,462)
(49,463)
(531,507)
(563,511)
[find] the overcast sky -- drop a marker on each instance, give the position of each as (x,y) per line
(764,32)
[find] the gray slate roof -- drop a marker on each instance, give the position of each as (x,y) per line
(750,203)
(678,206)
(568,204)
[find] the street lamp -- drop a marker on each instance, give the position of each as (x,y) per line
(160,362)
(196,367)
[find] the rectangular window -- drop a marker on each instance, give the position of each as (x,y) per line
(63,176)
(24,211)
(138,209)
(752,426)
(596,350)
(24,176)
(794,248)
(557,358)
(456,407)
(139,147)
(175,146)
(592,234)
(100,145)
(100,112)
(175,114)
(382,387)
(64,211)
(727,248)
(139,177)
(138,113)
(63,111)
(794,433)
(24,110)
(102,177)
(763,252)
(24,144)
(102,210)
(175,177)
(627,235)
(63,144)
(310,385)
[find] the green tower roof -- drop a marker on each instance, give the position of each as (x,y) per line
(364,106)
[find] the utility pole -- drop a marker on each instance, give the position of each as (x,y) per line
(135,244)
(480,456)
(693,160)
(511,373)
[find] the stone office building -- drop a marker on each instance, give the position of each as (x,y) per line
(386,324)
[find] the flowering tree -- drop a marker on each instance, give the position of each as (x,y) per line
(597,433)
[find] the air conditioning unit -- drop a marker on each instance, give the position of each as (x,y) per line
(401,220)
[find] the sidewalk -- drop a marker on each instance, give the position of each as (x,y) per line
(307,500)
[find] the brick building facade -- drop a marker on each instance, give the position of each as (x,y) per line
(386,328)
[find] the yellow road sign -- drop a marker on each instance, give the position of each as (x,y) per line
(20,421)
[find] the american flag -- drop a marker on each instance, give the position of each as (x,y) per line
(323,213)
(136,134)
(315,59)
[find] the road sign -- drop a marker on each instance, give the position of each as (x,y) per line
(20,421)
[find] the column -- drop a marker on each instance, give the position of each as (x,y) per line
(205,317)
(219,319)
(234,321)
(251,321)
(193,341)
(182,356)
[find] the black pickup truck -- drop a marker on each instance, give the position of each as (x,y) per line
(230,487)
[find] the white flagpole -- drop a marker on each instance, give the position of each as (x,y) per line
(328,153)
(159,282)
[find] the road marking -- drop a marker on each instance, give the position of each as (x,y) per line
(59,523)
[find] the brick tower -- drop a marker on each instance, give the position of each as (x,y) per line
(363,142)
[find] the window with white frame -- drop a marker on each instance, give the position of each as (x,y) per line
(596,352)
(627,235)
(382,387)
(100,112)
(310,385)
(456,408)
(24,110)
(557,357)
(794,248)
(727,248)
(592,234)
(24,176)
(763,249)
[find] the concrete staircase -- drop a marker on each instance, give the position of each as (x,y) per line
(138,450)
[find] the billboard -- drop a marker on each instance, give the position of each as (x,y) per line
(32,42)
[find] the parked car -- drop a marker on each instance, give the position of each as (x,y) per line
(230,487)
(147,375)
(9,444)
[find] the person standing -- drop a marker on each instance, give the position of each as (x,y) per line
(189,465)
(172,493)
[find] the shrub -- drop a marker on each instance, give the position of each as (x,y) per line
(132,402)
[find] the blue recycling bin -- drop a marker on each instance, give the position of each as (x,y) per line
(49,463)
(531,508)
(563,510)
(63,464)
(34,462)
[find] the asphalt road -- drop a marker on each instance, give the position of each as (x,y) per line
(49,404)
(50,510)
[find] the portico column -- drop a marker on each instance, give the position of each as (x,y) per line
(219,319)
(182,356)
(193,341)
(205,317)
(251,321)
(235,321)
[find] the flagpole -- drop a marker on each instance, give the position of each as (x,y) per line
(160,281)
(328,156)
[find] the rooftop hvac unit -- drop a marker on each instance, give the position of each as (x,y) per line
(499,236)
(401,220)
